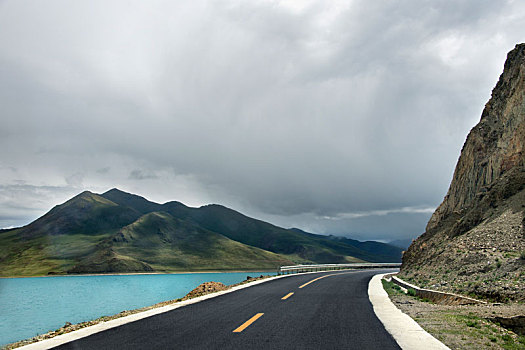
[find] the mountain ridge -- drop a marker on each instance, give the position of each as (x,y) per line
(232,224)
(118,231)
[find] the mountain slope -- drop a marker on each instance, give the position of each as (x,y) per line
(56,241)
(380,251)
(474,241)
(86,213)
(401,243)
(91,234)
(158,241)
(305,247)
(137,203)
(317,248)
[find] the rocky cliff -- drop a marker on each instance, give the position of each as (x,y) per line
(474,241)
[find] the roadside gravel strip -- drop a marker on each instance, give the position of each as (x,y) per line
(406,332)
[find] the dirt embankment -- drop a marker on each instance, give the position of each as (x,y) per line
(465,327)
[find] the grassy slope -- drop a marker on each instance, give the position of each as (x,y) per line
(380,252)
(302,246)
(88,234)
(42,255)
(58,240)
(316,248)
(167,243)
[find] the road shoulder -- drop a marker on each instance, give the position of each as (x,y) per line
(406,332)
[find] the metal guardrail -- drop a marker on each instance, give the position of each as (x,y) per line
(328,267)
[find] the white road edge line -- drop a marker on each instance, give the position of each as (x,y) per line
(406,332)
(99,327)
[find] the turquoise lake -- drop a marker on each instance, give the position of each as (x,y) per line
(31,306)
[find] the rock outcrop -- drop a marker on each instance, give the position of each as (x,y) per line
(205,288)
(474,241)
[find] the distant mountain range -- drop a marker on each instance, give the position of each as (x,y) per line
(401,243)
(122,232)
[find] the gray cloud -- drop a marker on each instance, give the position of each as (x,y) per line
(21,203)
(295,112)
(138,174)
(104,170)
(75,179)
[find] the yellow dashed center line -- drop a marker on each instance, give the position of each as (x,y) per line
(312,281)
(318,278)
(247,323)
(287,296)
(257,316)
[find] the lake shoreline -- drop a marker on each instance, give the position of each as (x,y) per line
(68,327)
(139,273)
(45,304)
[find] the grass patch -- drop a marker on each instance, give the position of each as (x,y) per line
(473,324)
(391,288)
(460,328)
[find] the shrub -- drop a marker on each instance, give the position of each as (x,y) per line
(522,255)
(472,323)
(521,339)
(411,292)
(506,338)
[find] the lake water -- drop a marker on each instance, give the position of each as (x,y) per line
(32,306)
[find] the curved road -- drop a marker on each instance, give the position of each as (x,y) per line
(331,312)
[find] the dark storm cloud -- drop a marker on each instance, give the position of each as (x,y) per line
(339,117)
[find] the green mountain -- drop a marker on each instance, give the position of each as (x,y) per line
(122,232)
(58,240)
(158,241)
(87,213)
(297,244)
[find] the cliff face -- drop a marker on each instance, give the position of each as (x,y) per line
(494,146)
(485,203)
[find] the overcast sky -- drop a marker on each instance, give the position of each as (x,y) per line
(337,117)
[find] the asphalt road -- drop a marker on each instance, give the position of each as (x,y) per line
(332,312)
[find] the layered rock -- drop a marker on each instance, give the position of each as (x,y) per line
(480,223)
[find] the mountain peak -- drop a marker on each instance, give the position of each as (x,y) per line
(85,193)
(480,224)
(86,213)
(87,196)
(115,190)
(494,146)
(126,199)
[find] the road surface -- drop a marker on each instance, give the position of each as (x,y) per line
(327,310)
